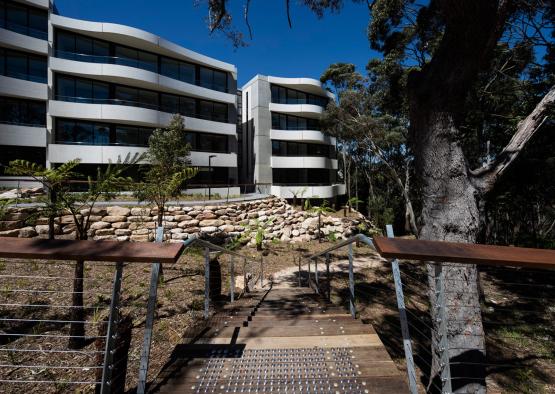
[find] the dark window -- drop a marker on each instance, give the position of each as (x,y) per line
(23,65)
(81,90)
(216,175)
(212,143)
(81,48)
(169,103)
(290,122)
(283,95)
(288,148)
(70,131)
(135,58)
(303,176)
(169,68)
(10,153)
(187,106)
(213,79)
(24,19)
(22,112)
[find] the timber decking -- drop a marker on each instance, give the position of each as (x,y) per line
(291,342)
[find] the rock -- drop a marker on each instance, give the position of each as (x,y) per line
(123,238)
(180,236)
(206,216)
(170,225)
(27,232)
(168,218)
(114,219)
(122,231)
(95,211)
(139,211)
(182,218)
(140,238)
(43,229)
(104,231)
(100,225)
(121,225)
(209,229)
(16,216)
(310,223)
(194,212)
(69,219)
(10,233)
(226,228)
(142,231)
(191,230)
(135,219)
(189,223)
(295,233)
(176,230)
(211,223)
(104,237)
(10,225)
(9,195)
(118,211)
(252,215)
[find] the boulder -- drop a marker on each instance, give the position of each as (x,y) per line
(95,211)
(100,225)
(123,238)
(121,225)
(122,231)
(118,211)
(140,211)
(190,230)
(180,236)
(27,232)
(10,233)
(211,223)
(104,231)
(189,223)
(10,225)
(206,216)
(226,228)
(142,231)
(182,218)
(134,219)
(140,238)
(209,229)
(114,219)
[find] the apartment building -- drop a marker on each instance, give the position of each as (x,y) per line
(95,91)
(282,140)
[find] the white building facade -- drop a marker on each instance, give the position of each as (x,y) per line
(281,134)
(78,89)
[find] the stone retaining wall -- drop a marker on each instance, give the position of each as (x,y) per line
(222,222)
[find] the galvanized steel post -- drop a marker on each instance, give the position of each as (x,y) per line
(443,344)
(351,283)
(328,260)
(206,282)
(232,279)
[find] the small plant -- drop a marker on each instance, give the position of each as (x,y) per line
(4,204)
(332,237)
(307,205)
(259,238)
(353,202)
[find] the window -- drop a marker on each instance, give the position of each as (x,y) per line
(23,65)
(69,131)
(303,176)
(169,103)
(81,48)
(290,122)
(22,112)
(169,68)
(81,90)
(213,79)
(212,143)
(135,58)
(24,19)
(9,153)
(186,72)
(287,148)
(187,106)
(283,95)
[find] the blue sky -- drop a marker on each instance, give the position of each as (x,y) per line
(304,51)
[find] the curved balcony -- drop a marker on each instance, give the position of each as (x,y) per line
(304,110)
(302,136)
(118,111)
(311,191)
(308,85)
(137,38)
(90,154)
(22,135)
(16,87)
(127,72)
(303,162)
(15,40)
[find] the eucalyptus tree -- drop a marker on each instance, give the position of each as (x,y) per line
(450,45)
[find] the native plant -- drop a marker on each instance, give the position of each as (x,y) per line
(169,166)
(319,210)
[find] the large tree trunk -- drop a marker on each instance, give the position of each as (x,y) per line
(450,212)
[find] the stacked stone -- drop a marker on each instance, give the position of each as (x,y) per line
(278,219)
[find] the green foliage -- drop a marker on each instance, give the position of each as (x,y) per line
(324,207)
(332,236)
(307,204)
(168,154)
(259,238)
(4,205)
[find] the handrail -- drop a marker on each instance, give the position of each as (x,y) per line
(356,238)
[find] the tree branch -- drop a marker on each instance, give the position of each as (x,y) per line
(487,176)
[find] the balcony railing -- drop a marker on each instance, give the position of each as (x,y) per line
(124,61)
(26,30)
(140,104)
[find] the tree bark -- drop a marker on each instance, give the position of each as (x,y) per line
(77,328)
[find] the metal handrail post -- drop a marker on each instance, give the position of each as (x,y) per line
(261,271)
(328,260)
(445,368)
(308,276)
(206,282)
(149,323)
(403,318)
(111,335)
(299,271)
(351,283)
(316,275)
(232,279)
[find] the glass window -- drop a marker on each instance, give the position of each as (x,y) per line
(301,123)
(148,99)
(220,81)
(65,42)
(9,153)
(126,56)
(38,23)
(169,68)
(16,65)
(144,136)
(220,112)
(16,18)
(65,87)
(291,96)
(101,91)
(205,110)
(2,14)
(2,62)
(37,69)
(187,72)
(169,103)
(206,76)
(148,61)
(187,106)
(36,113)
(101,134)
(275,148)
(83,133)
(64,131)
(101,49)
(190,138)
(83,90)
(126,135)
(126,96)
(83,45)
